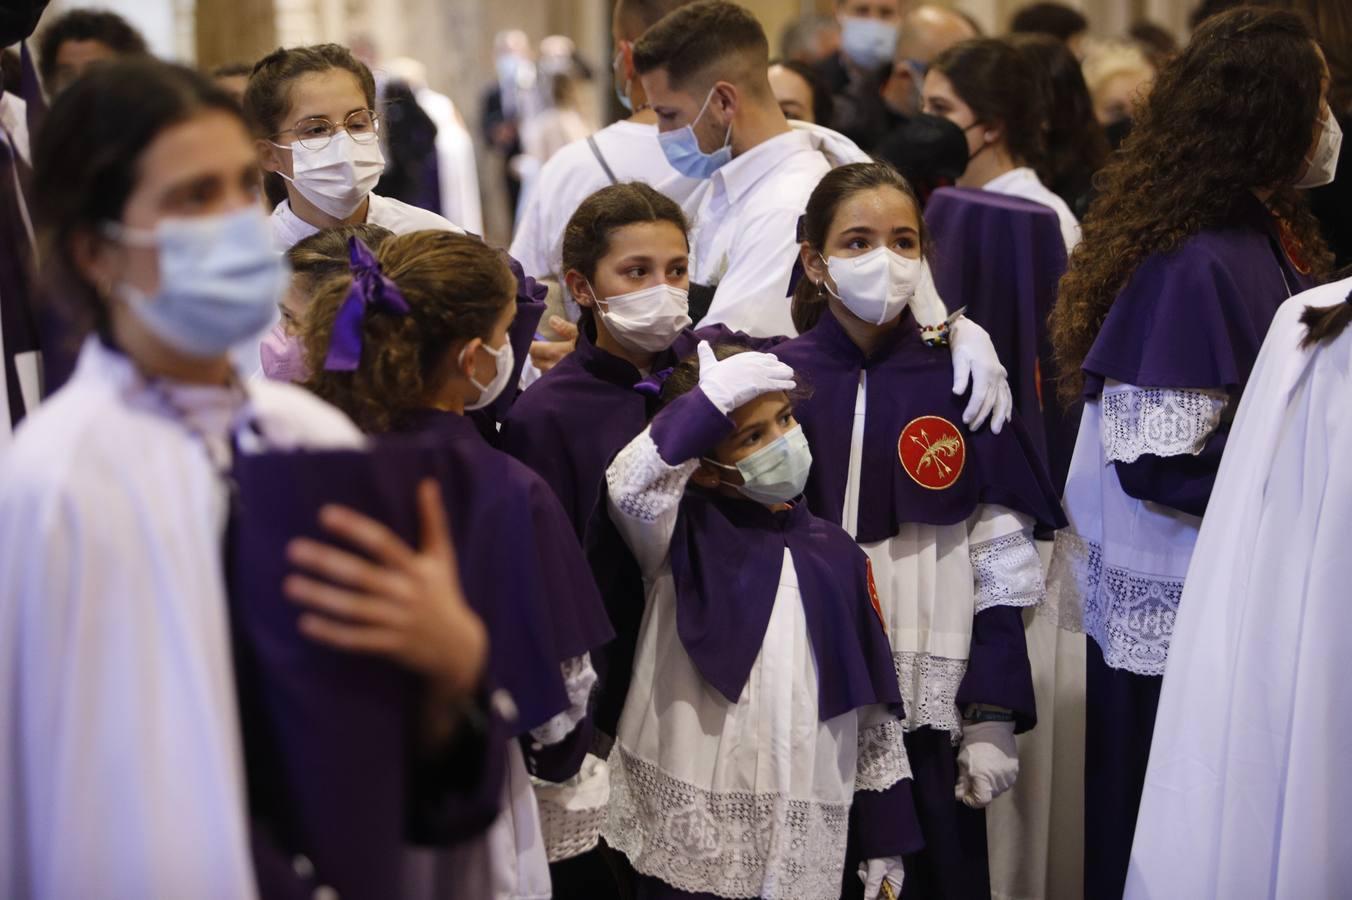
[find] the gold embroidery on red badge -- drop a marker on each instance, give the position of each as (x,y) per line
(932,452)
(873,594)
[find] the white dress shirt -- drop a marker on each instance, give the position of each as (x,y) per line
(745,232)
(572,175)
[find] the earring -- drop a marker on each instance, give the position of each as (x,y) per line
(821,289)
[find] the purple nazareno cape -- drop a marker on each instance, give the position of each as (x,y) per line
(727,555)
(1001,258)
(1196,317)
(506,509)
(905,381)
(334,770)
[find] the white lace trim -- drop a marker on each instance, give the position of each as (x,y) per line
(578,680)
(929,688)
(1008,572)
(1129,614)
(731,844)
(1157,421)
(642,485)
(882,760)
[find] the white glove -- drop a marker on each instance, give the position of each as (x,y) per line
(974,358)
(873,872)
(739,379)
(988,763)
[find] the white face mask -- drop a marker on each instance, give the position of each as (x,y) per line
(777,472)
(1323,164)
(876,286)
(337,177)
(505,360)
(645,321)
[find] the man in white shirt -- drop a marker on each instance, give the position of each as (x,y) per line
(704,66)
(624,151)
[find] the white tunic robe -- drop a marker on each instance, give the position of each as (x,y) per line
(121,771)
(932,580)
(745,799)
(1246,794)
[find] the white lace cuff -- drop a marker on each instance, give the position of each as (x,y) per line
(732,844)
(642,485)
(578,680)
(1157,421)
(1007,572)
(929,688)
(572,813)
(882,757)
(1129,614)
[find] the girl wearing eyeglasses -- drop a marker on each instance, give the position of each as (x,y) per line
(313,109)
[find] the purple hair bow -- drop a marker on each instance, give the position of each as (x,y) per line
(370,287)
(652,385)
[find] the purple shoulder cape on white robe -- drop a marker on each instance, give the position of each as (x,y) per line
(333,773)
(906,380)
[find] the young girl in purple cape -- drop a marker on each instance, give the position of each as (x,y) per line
(411,339)
(945,514)
(759,733)
(1199,236)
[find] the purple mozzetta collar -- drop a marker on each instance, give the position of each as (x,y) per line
(1196,317)
(727,556)
(920,463)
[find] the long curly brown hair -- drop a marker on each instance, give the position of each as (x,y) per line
(456,287)
(1234,112)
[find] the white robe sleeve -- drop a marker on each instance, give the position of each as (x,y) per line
(644,494)
(1157,421)
(1006,568)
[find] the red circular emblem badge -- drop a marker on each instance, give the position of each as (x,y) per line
(932,452)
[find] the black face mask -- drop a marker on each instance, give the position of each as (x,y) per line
(18,19)
(930,151)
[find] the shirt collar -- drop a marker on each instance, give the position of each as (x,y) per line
(743,172)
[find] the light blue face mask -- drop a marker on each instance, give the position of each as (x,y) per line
(621,90)
(681,148)
(869,43)
(220,279)
(777,472)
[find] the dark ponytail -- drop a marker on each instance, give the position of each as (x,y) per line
(1325,323)
(837,186)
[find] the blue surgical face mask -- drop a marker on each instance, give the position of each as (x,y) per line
(681,148)
(777,472)
(621,90)
(869,43)
(220,279)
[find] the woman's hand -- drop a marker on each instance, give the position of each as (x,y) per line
(407,605)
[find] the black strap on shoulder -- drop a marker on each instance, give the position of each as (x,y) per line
(596,151)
